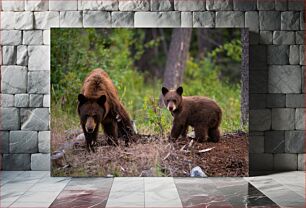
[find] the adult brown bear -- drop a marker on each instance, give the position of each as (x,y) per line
(99,103)
(202,113)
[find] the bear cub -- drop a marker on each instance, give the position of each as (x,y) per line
(201,113)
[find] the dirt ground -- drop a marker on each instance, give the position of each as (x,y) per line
(150,155)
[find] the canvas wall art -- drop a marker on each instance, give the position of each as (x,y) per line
(149,102)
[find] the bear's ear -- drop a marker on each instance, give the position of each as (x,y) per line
(101,100)
(82,99)
(165,91)
(179,91)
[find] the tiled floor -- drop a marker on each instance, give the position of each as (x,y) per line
(38,189)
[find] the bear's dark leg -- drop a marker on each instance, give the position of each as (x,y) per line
(176,131)
(200,133)
(90,140)
(214,135)
(184,131)
(111,131)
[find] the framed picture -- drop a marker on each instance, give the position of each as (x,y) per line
(149,102)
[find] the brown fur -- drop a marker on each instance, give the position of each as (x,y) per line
(111,114)
(202,113)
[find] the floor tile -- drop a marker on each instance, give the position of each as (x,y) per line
(126,199)
(163,198)
(84,192)
(35,199)
(128,185)
(200,192)
(158,183)
(277,192)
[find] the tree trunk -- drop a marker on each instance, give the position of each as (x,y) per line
(245,77)
(177,57)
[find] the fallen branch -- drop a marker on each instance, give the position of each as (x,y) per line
(206,150)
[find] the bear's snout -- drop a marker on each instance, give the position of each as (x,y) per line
(171,106)
(90,125)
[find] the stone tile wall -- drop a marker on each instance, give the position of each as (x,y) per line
(276,68)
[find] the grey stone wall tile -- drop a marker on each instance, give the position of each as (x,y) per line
(278,54)
(303,79)
(297,5)
(283,37)
(259,82)
(13,5)
(71,19)
(24,20)
(294,141)
(274,141)
(283,118)
(97,19)
(281,5)
(276,100)
(36,54)
(7,20)
(46,101)
(246,5)
(269,20)
(157,19)
(22,55)
(290,20)
(37,120)
(302,21)
(252,21)
(204,19)
(265,5)
(46,37)
(257,101)
(299,37)
(256,144)
(37,5)
(294,54)
(259,161)
(11,37)
(45,20)
(6,100)
(258,56)
(301,162)
(195,5)
(256,133)
(260,120)
(63,5)
(300,119)
(40,162)
(23,142)
(9,55)
(285,162)
(254,38)
(4,141)
(36,100)
(302,56)
(22,100)
(16,161)
(11,118)
(33,37)
(186,19)
(98,5)
(122,19)
(222,5)
(295,100)
(162,5)
(13,79)
(38,82)
(134,5)
(44,141)
(230,19)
